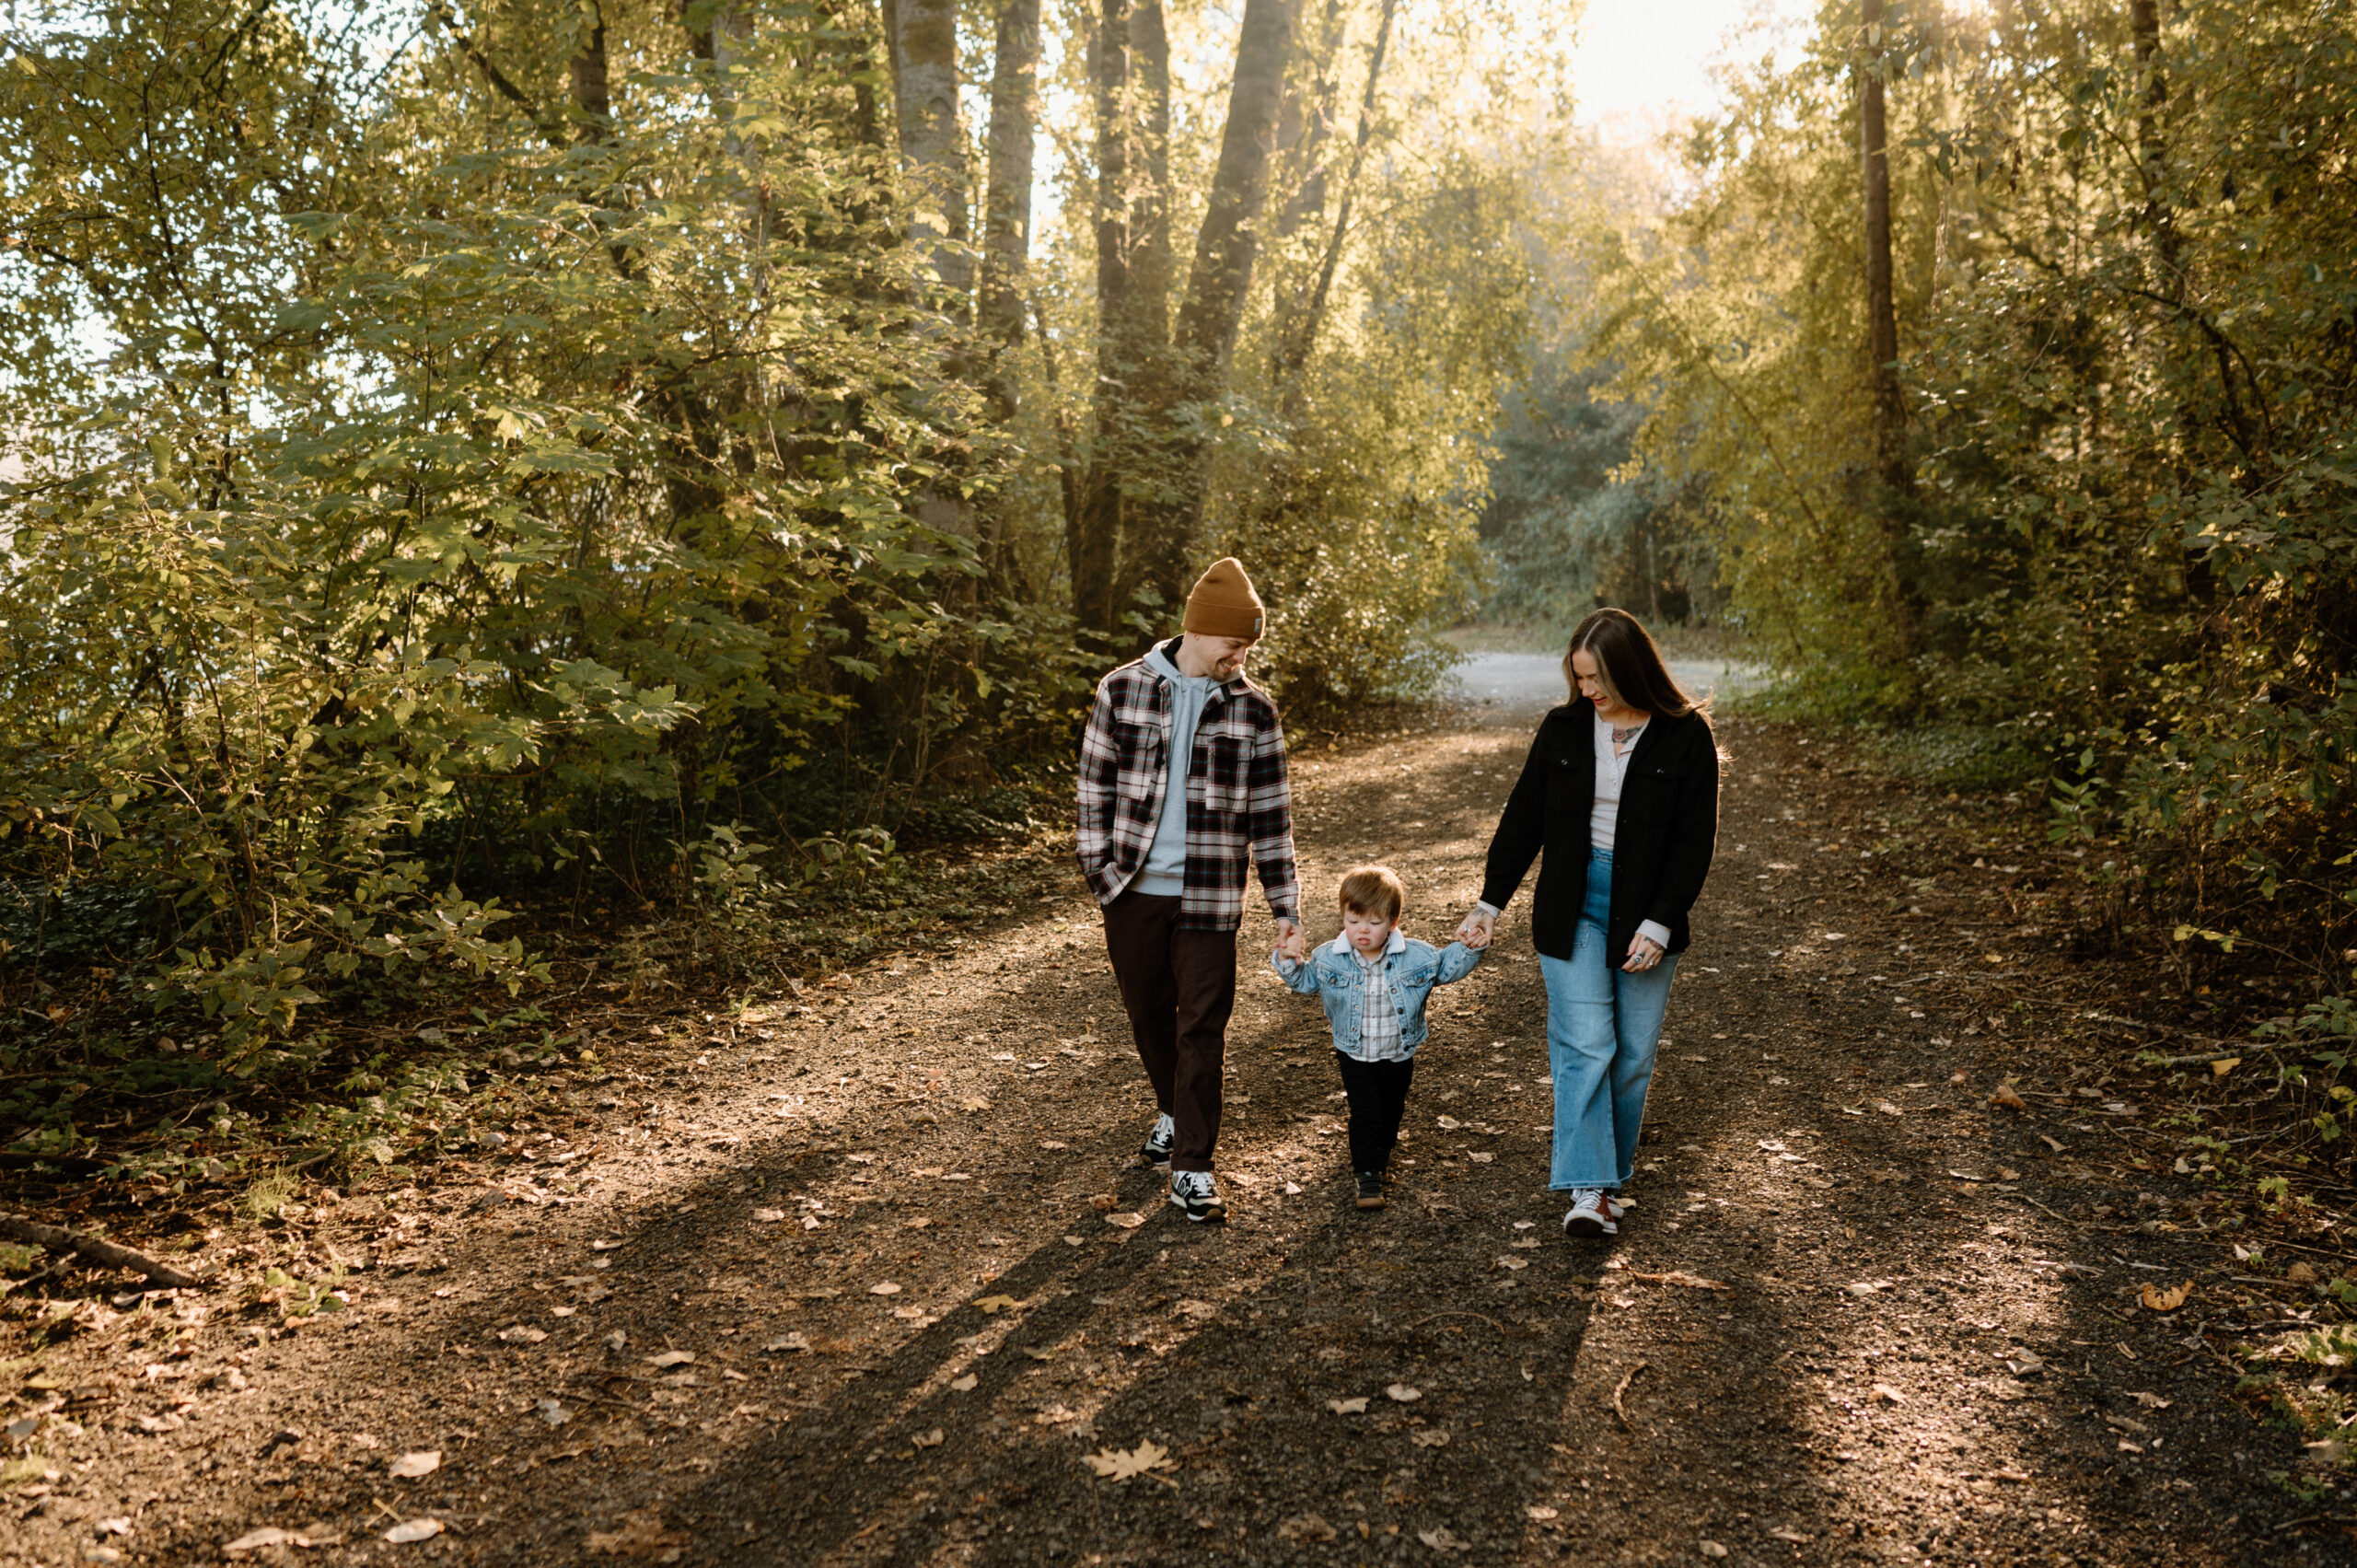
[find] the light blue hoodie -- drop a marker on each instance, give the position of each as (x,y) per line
(1165,872)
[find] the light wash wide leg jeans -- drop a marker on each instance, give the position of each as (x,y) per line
(1603,1025)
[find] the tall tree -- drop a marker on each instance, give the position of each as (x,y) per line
(932,150)
(1006,191)
(1094,527)
(1218,284)
(1881,309)
(1297,336)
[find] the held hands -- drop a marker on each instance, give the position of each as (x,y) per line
(1292,945)
(1643,954)
(1476,930)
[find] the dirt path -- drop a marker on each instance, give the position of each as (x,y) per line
(895,1231)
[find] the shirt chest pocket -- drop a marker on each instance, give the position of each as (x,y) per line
(1227,789)
(1140,746)
(1651,789)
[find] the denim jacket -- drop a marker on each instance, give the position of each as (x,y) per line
(1332,973)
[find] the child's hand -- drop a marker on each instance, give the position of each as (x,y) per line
(1292,944)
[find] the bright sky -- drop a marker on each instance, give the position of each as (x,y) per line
(1643,61)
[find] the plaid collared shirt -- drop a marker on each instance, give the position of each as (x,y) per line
(1239,805)
(1378,1019)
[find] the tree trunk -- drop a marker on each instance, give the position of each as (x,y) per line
(592,96)
(1006,230)
(932,149)
(1297,337)
(1882,311)
(1304,122)
(1095,525)
(1220,281)
(1006,194)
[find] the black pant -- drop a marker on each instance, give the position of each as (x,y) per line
(1179,987)
(1378,1092)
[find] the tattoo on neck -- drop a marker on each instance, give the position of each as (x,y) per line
(1623,737)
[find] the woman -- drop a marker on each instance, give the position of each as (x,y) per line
(1621,791)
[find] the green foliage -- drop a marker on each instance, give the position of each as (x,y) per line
(2127,549)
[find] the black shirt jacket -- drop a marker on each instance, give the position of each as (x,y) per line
(1661,841)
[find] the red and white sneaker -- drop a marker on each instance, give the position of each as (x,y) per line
(1593,1213)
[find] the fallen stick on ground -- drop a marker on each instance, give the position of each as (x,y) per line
(1618,1409)
(72,1243)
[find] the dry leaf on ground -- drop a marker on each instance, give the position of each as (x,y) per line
(1354,1406)
(409,1467)
(270,1535)
(641,1533)
(1306,1526)
(1711,1549)
(797,1340)
(1441,1541)
(1680,1277)
(928,1439)
(1885,1391)
(768,1216)
(1404,1393)
(2005,1099)
(1429,1437)
(1116,1464)
(990,1304)
(2167,1300)
(672,1358)
(1539,1513)
(885,1288)
(1127,1222)
(965,1385)
(409,1531)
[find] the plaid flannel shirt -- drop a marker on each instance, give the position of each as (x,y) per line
(1239,805)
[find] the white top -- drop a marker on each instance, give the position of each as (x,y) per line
(1612,749)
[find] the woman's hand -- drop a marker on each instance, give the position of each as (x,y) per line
(1477,928)
(1643,954)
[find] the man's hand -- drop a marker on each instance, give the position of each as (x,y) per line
(1291,945)
(1476,930)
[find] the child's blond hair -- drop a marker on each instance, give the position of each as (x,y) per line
(1374,889)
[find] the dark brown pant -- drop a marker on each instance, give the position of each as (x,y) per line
(1179,987)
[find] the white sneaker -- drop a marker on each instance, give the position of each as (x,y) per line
(1198,1193)
(1156,1152)
(1592,1213)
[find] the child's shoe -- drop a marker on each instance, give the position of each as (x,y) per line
(1156,1152)
(1371,1189)
(1198,1194)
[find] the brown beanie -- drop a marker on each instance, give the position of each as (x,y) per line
(1223,605)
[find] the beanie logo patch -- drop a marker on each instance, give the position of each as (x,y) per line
(1258,621)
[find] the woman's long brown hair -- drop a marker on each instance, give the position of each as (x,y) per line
(1629,665)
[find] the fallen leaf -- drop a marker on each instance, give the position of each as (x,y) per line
(409,1467)
(973,1102)
(1680,1277)
(409,1531)
(1305,1526)
(1404,1394)
(2169,1300)
(1713,1548)
(1539,1513)
(2299,1274)
(1104,1202)
(1441,1541)
(554,1413)
(928,1439)
(794,1341)
(2223,1065)
(641,1535)
(520,1333)
(119,1526)
(2006,1389)
(1866,1287)
(672,1358)
(1783,1532)
(604,1246)
(254,1540)
(2023,1364)
(989,1304)
(768,1216)
(1429,1437)
(1115,1464)
(1504,1262)
(885,1288)
(2050,1142)
(1886,1392)
(1888,1110)
(2006,1098)
(1449,1123)
(2150,1401)
(965,1385)
(1355,1405)
(1126,1222)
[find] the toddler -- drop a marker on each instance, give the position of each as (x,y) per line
(1374,982)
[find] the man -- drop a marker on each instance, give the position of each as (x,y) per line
(1165,852)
